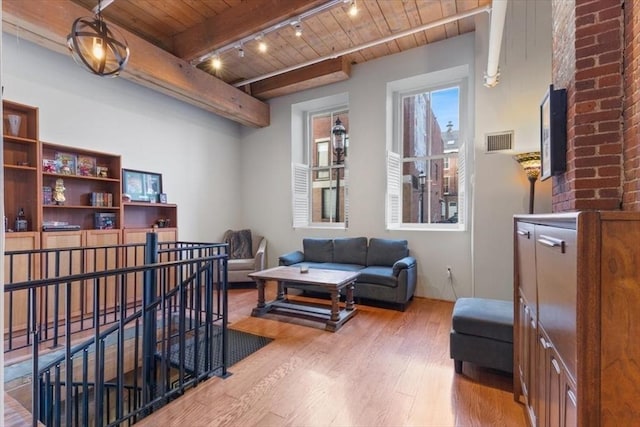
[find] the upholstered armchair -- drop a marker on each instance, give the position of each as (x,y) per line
(247,253)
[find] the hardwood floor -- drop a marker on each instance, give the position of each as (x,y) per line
(382,368)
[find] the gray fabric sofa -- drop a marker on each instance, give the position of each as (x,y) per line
(387,271)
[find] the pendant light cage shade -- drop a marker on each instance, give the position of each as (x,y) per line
(98,48)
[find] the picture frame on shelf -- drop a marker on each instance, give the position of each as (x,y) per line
(162,197)
(553,133)
(102,171)
(86,166)
(66,163)
(49,166)
(141,186)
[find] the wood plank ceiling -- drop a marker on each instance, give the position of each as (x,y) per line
(192,30)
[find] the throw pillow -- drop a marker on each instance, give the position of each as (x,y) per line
(240,244)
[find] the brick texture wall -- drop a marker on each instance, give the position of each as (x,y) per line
(631,184)
(588,48)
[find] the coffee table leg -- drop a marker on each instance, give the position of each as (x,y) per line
(350,287)
(335,309)
(280,290)
(260,286)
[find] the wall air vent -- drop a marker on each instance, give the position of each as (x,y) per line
(499,141)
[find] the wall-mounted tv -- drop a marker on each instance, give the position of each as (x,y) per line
(553,133)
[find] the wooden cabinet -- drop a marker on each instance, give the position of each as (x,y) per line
(21,164)
(91,181)
(583,311)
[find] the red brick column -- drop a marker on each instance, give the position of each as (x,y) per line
(631,185)
(587,61)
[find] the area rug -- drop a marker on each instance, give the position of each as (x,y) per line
(239,345)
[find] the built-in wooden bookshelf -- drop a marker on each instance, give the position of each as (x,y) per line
(21,164)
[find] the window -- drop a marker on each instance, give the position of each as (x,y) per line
(320,178)
(427,148)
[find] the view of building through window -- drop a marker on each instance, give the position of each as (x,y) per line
(327,168)
(430,148)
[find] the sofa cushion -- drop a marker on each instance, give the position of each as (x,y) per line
(241,264)
(386,251)
(350,250)
(318,250)
(378,275)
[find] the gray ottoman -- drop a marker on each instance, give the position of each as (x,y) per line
(482,333)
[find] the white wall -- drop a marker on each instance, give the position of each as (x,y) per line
(501,187)
(196,152)
(481,258)
(223,176)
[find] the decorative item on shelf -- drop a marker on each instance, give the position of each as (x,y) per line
(86,166)
(141,186)
(48,166)
(162,223)
(47,196)
(21,221)
(102,171)
(58,192)
(530,162)
(126,197)
(105,221)
(162,197)
(22,163)
(14,124)
(100,49)
(66,163)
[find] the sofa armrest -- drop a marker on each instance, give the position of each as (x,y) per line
(291,258)
(403,264)
(259,262)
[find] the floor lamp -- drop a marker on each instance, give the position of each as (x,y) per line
(530,162)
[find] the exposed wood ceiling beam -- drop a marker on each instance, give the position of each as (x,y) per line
(47,23)
(320,74)
(236,23)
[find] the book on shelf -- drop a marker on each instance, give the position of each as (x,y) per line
(101,199)
(47,196)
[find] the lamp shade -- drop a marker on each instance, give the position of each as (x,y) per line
(530,162)
(98,48)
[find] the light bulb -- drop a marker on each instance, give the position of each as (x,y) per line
(241,52)
(262,46)
(216,63)
(97,49)
(298,30)
(353,10)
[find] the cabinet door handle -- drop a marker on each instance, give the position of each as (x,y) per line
(554,362)
(545,344)
(524,233)
(552,242)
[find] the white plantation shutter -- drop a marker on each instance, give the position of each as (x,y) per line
(394,190)
(346,194)
(462,206)
(300,183)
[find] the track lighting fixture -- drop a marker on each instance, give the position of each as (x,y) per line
(262,45)
(240,51)
(216,63)
(297,25)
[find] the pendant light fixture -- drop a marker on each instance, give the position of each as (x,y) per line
(100,49)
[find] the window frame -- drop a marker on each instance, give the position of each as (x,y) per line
(455,76)
(303,162)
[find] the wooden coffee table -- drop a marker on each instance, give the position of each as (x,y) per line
(331,280)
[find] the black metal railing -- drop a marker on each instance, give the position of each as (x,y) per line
(156,329)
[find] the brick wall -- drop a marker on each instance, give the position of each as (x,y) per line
(631,184)
(587,60)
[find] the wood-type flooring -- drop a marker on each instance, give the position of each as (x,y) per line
(382,368)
